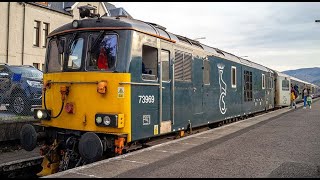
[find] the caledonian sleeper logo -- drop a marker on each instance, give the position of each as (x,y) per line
(223,90)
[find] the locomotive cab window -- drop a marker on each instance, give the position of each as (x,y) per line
(54,58)
(233,76)
(103,52)
(165,65)
(149,63)
(75,54)
(263,81)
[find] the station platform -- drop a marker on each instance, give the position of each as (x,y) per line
(10,125)
(284,143)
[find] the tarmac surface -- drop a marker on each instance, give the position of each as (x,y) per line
(283,143)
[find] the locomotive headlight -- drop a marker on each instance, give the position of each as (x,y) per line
(42,114)
(109,120)
(39,114)
(106,120)
(75,24)
(98,119)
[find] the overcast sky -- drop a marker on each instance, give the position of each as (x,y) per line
(279,35)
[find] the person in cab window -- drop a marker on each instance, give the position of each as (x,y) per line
(144,71)
(103,59)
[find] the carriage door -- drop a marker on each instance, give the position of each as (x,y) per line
(166,88)
(197,88)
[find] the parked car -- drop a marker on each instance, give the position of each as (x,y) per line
(20,88)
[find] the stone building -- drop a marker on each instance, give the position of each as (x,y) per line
(25,25)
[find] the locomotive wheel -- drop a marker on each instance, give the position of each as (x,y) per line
(90,147)
(28,137)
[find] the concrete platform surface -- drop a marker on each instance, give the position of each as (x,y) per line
(283,143)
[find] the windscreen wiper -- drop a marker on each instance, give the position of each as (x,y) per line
(71,41)
(96,41)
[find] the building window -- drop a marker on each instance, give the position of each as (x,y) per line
(183,66)
(36,33)
(206,72)
(247,86)
(233,77)
(36,65)
(149,63)
(42,67)
(45,34)
(263,81)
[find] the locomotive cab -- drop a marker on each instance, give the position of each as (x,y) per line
(84,104)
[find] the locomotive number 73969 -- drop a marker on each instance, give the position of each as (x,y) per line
(146,99)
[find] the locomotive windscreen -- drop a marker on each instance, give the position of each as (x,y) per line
(82,51)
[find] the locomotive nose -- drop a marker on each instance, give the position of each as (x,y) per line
(28,137)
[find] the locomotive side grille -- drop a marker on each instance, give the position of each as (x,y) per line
(183,66)
(187,64)
(178,70)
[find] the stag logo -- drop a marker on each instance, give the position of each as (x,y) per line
(223,90)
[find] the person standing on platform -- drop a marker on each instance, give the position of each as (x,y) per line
(293,98)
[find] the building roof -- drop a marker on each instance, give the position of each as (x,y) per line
(60,6)
(119,12)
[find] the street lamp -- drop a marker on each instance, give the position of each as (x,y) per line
(317,20)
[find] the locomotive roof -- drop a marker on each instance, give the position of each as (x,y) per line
(299,80)
(281,74)
(119,22)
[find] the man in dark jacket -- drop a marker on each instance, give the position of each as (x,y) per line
(296,90)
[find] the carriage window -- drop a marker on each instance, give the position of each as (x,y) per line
(104,54)
(248,86)
(206,72)
(285,85)
(165,65)
(149,63)
(270,83)
(233,76)
(54,58)
(263,81)
(75,55)
(183,66)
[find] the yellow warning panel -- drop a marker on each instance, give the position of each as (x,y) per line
(155,130)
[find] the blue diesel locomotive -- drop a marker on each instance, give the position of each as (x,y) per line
(110,82)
